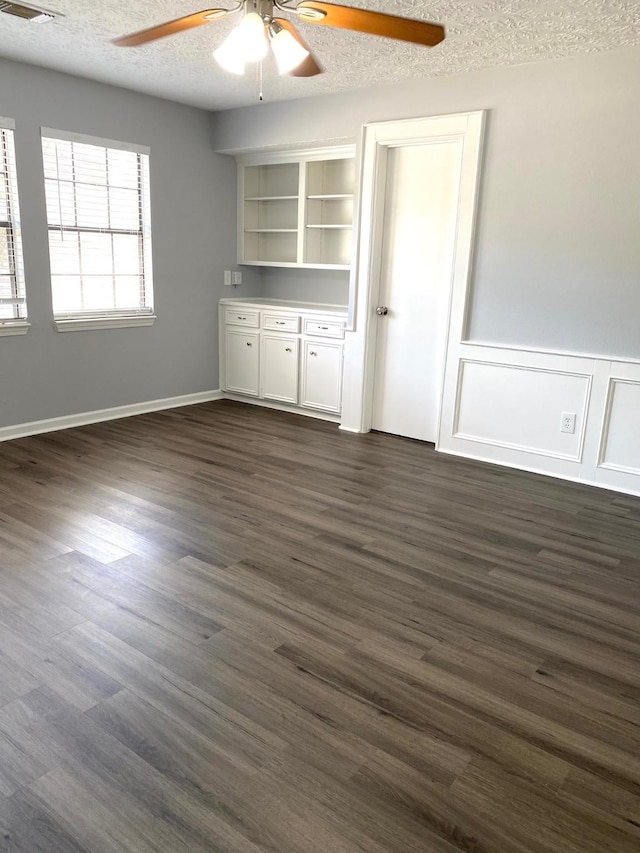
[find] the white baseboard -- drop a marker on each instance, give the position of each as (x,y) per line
(583,481)
(282,407)
(99,415)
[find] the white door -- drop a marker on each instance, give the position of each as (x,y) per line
(416,252)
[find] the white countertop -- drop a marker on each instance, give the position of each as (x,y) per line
(284,304)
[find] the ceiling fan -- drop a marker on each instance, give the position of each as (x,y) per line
(259,29)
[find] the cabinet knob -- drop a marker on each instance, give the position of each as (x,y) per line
(311,352)
(382,310)
(288,349)
(248,344)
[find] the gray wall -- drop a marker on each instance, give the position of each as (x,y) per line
(558,243)
(193,206)
(307,285)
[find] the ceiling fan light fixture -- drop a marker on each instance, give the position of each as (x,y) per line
(227,57)
(247,43)
(288,52)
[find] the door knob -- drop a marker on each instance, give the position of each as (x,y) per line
(382,310)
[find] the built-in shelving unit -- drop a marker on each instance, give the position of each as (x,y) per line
(296,209)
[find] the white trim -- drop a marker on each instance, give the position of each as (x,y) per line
(582,481)
(9,328)
(264,158)
(606,425)
(360,343)
(523,448)
(542,351)
(81,324)
(7,123)
(318,414)
(70,136)
(278,149)
(99,415)
(576,457)
(606,422)
(621,469)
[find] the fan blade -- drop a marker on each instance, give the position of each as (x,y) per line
(308,67)
(171,27)
(375,23)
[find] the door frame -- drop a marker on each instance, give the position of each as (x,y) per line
(360,342)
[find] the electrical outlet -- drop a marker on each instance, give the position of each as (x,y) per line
(227,278)
(568,422)
(236,278)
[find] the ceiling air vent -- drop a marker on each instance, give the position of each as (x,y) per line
(28,13)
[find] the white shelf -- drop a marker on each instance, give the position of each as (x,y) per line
(295,265)
(331,196)
(343,227)
(295,209)
(272,198)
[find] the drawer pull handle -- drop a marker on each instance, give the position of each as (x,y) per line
(288,349)
(248,344)
(241,318)
(280,323)
(324,328)
(313,353)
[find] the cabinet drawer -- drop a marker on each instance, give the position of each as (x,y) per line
(324,328)
(242,318)
(281,322)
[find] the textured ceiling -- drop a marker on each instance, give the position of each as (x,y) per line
(480,34)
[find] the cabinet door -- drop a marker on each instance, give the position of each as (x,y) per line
(279,368)
(322,376)
(243,362)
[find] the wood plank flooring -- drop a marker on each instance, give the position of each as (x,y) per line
(229,629)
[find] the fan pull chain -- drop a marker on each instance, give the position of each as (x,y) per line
(260,82)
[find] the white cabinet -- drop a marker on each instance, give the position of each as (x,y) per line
(322,376)
(291,358)
(279,368)
(242,361)
(296,209)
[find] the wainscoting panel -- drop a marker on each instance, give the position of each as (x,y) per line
(503,404)
(520,407)
(621,434)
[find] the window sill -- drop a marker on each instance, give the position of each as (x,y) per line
(81,324)
(20,327)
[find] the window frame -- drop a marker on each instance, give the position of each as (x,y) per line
(69,321)
(17,325)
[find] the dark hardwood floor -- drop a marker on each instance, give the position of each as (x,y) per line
(225,628)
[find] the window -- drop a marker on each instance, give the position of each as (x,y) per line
(97,195)
(13,306)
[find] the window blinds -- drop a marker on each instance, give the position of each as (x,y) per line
(12,290)
(99,228)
